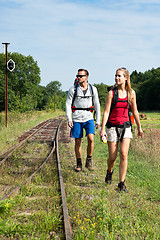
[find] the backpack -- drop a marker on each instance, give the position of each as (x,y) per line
(75,95)
(114,102)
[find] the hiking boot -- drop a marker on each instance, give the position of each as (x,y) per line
(108,178)
(79,165)
(122,187)
(89,164)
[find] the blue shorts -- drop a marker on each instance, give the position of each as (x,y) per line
(77,130)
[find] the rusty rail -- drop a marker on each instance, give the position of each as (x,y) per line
(16,189)
(15,147)
(55,148)
(67,225)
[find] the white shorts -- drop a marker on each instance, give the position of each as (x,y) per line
(112,134)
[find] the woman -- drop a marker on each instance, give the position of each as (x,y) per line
(116,117)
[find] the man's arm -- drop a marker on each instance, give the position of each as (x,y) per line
(96,106)
(68,106)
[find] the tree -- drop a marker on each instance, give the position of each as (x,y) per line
(53,87)
(147,87)
(22,83)
(55,96)
(102,93)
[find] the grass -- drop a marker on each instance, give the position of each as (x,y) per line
(99,211)
(96,211)
(36,212)
(18,123)
(152,121)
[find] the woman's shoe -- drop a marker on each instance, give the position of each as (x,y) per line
(122,186)
(108,178)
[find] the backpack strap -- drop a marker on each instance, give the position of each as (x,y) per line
(92,94)
(75,94)
(115,97)
(123,126)
(87,109)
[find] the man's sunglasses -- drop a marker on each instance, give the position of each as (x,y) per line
(80,76)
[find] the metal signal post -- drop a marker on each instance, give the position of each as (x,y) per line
(6,83)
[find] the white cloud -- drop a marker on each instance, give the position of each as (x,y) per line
(64,36)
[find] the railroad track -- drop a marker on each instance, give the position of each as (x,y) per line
(22,164)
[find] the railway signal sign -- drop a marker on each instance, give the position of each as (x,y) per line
(10,65)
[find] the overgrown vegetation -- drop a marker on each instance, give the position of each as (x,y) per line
(99,211)
(36,212)
(20,122)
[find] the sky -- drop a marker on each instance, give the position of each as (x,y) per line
(98,35)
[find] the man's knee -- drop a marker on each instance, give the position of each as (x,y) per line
(90,138)
(77,142)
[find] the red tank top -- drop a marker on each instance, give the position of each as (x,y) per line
(119,114)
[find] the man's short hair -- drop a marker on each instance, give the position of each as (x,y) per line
(81,69)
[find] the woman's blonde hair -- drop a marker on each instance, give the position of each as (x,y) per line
(128,84)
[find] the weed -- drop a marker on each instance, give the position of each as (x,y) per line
(99,211)
(5,206)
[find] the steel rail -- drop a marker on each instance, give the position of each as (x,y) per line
(67,225)
(16,189)
(11,150)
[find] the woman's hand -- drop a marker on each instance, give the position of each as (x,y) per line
(140,133)
(103,134)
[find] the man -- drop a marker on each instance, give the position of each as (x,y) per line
(79,111)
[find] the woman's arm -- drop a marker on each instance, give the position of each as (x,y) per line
(136,113)
(106,113)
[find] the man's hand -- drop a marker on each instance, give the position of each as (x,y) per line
(70,124)
(97,125)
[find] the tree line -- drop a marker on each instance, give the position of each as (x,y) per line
(24,90)
(26,94)
(146,86)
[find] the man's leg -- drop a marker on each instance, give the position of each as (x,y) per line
(90,131)
(78,150)
(78,154)
(77,133)
(90,145)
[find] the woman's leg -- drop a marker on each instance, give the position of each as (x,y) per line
(124,148)
(112,150)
